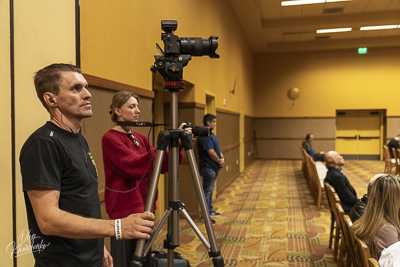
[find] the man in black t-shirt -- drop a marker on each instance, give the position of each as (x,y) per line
(59,180)
(394,143)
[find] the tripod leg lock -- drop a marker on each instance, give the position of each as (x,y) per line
(163,140)
(137,261)
(186,139)
(168,245)
(214,254)
(218,262)
(176,205)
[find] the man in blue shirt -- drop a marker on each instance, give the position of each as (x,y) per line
(211,160)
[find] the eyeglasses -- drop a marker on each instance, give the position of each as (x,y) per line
(135,141)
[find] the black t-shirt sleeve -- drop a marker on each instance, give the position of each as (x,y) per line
(41,165)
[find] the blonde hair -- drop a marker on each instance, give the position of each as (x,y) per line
(382,209)
(119,99)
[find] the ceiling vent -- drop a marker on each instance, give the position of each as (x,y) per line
(334,10)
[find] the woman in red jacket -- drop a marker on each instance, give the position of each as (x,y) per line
(128,160)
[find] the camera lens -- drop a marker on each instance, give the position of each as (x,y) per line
(197,46)
(201,131)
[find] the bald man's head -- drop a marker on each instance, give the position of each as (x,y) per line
(333,159)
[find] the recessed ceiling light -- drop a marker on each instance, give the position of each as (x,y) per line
(334,30)
(381,27)
(308,2)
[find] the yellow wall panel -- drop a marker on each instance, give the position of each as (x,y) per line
(327,81)
(44,34)
(6,223)
(119,43)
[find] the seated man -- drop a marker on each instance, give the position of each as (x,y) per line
(359,208)
(317,156)
(394,143)
(335,177)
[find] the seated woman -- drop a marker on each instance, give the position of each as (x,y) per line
(379,227)
(128,160)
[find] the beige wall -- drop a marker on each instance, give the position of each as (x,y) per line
(281,137)
(6,222)
(46,37)
(250,145)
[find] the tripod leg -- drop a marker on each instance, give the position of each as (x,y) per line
(195,229)
(172,241)
(157,230)
(214,251)
(162,144)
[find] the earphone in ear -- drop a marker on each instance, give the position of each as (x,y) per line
(52,101)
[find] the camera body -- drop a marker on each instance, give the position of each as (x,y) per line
(179,51)
(198,130)
(195,46)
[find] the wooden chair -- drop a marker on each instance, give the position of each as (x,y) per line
(362,252)
(334,234)
(346,254)
(312,178)
(303,162)
(396,161)
(373,263)
(389,162)
(397,153)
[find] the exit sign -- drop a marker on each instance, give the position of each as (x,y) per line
(362,50)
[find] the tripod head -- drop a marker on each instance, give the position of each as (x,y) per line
(178,53)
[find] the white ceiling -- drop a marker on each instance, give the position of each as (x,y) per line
(271,28)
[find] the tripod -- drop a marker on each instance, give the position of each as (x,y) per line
(170,138)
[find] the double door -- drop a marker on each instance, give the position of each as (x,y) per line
(359,134)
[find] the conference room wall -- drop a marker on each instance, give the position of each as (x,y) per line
(328,81)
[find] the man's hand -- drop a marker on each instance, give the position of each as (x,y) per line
(221,162)
(137,226)
(107,259)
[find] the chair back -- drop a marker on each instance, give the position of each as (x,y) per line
(303,162)
(344,227)
(388,160)
(362,252)
(348,226)
(396,160)
(330,195)
(386,153)
(333,198)
(373,263)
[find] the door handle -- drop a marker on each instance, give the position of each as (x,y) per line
(347,137)
(368,137)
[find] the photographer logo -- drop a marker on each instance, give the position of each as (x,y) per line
(25,244)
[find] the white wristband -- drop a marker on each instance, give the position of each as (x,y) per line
(118,230)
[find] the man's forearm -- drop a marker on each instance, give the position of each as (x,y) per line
(211,153)
(69,225)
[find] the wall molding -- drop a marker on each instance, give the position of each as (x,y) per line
(116,86)
(290,118)
(296,138)
(188,105)
(230,147)
(224,111)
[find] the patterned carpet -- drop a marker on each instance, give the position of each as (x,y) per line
(269,218)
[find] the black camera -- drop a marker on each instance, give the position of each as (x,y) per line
(198,130)
(179,51)
(195,46)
